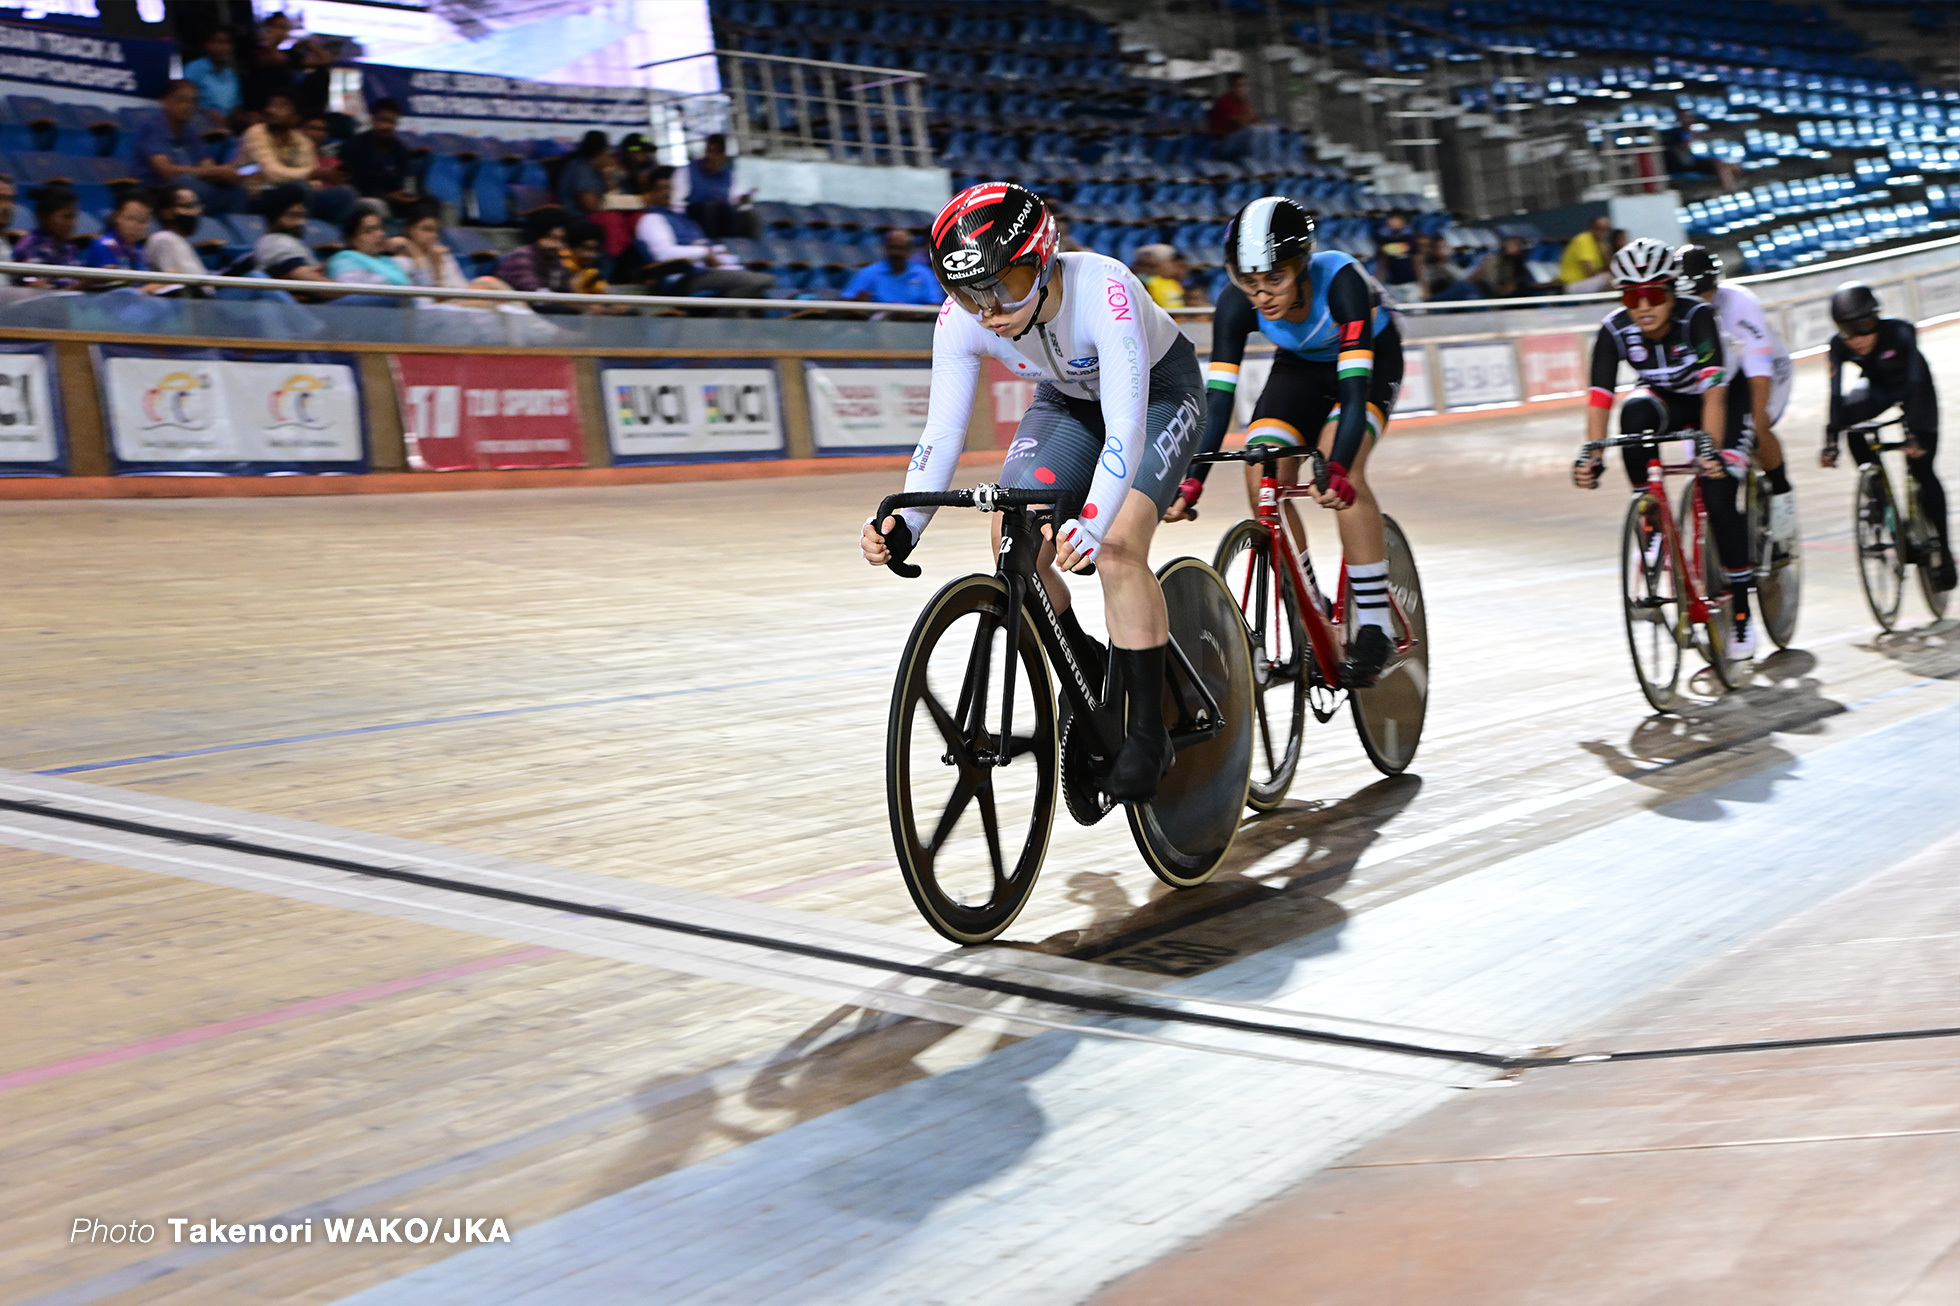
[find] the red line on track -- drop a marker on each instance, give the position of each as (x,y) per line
(313,1006)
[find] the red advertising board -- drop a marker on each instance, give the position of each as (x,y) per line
(1007,397)
(474,413)
(1551,365)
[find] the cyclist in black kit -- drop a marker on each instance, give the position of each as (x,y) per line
(1886,352)
(1674,345)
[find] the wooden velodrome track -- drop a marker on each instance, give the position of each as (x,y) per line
(673,698)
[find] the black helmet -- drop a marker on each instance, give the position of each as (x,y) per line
(1854,302)
(981,233)
(1267,233)
(1700,268)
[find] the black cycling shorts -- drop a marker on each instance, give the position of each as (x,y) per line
(1063,437)
(1301,395)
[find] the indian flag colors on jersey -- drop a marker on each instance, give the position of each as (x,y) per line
(1222,376)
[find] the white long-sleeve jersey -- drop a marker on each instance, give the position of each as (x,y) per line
(1101,346)
(1751,340)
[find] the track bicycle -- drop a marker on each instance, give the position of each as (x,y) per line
(975,752)
(1887,545)
(1299,637)
(1673,586)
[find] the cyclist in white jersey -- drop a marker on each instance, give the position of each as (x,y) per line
(1757,404)
(1113,425)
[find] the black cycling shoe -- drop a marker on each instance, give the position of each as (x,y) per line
(1370,652)
(1943,576)
(1146,755)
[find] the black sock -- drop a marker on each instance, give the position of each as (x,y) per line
(1778,478)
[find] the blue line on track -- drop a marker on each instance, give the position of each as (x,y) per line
(451,720)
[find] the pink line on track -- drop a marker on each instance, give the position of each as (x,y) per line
(313,1006)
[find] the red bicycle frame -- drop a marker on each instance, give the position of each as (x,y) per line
(1326,631)
(1692,577)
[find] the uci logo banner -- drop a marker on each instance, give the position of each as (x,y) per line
(665,414)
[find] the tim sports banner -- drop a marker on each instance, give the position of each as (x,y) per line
(231,412)
(464,412)
(872,409)
(32,436)
(688,410)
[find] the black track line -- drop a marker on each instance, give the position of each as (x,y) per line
(1118,1007)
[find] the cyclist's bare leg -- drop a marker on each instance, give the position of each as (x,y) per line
(1133,602)
(1363,539)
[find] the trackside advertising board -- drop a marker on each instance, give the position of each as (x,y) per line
(689,410)
(860,410)
(32,437)
(230,412)
(463,412)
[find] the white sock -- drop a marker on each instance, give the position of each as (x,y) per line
(1369,582)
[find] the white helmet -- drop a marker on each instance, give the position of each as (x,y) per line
(1643,260)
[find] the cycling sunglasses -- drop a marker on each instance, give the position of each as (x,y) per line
(1864,326)
(1652,293)
(983,298)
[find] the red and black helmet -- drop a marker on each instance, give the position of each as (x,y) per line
(982,233)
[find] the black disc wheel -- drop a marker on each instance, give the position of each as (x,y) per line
(1779,569)
(1712,636)
(1186,830)
(971,805)
(1656,625)
(1881,565)
(1388,715)
(1277,636)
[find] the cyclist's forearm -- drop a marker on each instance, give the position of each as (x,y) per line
(1714,412)
(1218,420)
(1353,391)
(1596,418)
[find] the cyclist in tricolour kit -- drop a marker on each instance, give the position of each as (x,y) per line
(1112,427)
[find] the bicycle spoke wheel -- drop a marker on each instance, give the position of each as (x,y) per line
(1880,565)
(1186,830)
(1652,602)
(1779,572)
(1388,715)
(1712,638)
(970,834)
(1279,658)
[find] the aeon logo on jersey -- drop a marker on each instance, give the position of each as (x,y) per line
(1119,301)
(179,399)
(961,260)
(297,402)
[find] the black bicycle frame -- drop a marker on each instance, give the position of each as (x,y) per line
(1020,550)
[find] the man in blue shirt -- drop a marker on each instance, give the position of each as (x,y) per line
(896,279)
(215,75)
(174,153)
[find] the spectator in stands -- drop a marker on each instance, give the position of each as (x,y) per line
(56,211)
(9,201)
(177,154)
(169,248)
(1582,268)
(582,183)
(710,198)
(1441,274)
(1237,128)
(584,258)
(1505,272)
(1164,271)
(269,70)
(1397,260)
(121,243)
(895,278)
(377,160)
(286,155)
(539,263)
(636,160)
(312,63)
(283,252)
(331,172)
(683,261)
(364,261)
(215,75)
(424,257)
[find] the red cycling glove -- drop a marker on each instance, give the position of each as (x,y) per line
(1337,481)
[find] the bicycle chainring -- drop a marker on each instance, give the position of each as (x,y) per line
(1082,776)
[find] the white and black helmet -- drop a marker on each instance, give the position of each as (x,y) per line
(1642,261)
(1267,233)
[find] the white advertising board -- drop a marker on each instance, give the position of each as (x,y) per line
(859,408)
(1417,394)
(207,410)
(1479,374)
(1939,294)
(685,412)
(27,420)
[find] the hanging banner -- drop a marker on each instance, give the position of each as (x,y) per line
(690,413)
(859,410)
(432,93)
(463,412)
(32,441)
(50,56)
(1552,365)
(1474,375)
(228,412)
